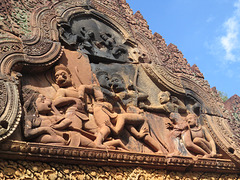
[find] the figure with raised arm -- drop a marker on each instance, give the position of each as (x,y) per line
(167,104)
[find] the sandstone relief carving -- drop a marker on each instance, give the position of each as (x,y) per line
(198,140)
(88,38)
(103,86)
(97,115)
(167,104)
(114,109)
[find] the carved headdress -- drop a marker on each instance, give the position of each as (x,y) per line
(61,67)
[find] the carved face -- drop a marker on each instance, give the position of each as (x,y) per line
(192,120)
(63,78)
(163,97)
(43,104)
(118,84)
(104,81)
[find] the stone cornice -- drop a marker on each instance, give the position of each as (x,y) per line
(19,150)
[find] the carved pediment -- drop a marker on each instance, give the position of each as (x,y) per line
(94,81)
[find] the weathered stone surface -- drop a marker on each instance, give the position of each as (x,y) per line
(93,78)
(39,170)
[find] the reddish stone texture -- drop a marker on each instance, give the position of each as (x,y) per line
(233,105)
(161,53)
(178,64)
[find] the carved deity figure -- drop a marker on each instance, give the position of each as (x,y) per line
(177,127)
(109,42)
(76,111)
(73,100)
(74,138)
(109,121)
(36,127)
(105,83)
(128,99)
(82,40)
(168,104)
(85,38)
(68,101)
(198,140)
(60,125)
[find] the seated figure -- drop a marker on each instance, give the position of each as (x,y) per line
(198,140)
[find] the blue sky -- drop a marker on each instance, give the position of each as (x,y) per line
(206,31)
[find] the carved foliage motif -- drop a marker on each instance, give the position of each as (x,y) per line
(10,108)
(3,97)
(39,170)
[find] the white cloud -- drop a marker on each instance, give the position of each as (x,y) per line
(210,19)
(230,41)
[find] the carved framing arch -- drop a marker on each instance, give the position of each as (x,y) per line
(95,9)
(214,119)
(43,47)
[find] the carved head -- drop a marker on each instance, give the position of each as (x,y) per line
(164,97)
(105,36)
(118,83)
(175,117)
(103,79)
(63,76)
(192,120)
(43,104)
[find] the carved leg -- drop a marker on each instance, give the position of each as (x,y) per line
(51,139)
(74,139)
(62,125)
(116,143)
(101,136)
(203,144)
(191,146)
(153,144)
(128,118)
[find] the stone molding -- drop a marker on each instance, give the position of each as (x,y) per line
(19,150)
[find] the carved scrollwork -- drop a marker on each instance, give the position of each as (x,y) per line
(10,111)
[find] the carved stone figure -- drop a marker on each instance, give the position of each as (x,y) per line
(56,130)
(83,40)
(105,38)
(115,88)
(37,128)
(109,121)
(168,104)
(109,42)
(67,98)
(67,36)
(177,127)
(198,140)
(130,97)
(73,100)
(105,83)
(61,125)
(86,39)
